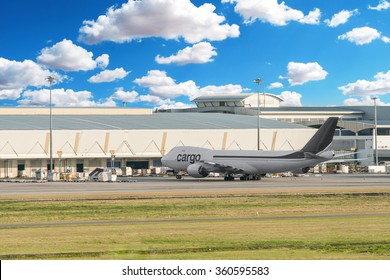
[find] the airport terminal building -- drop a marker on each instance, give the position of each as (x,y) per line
(356,127)
(87,138)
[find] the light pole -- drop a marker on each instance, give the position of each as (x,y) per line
(59,153)
(258,81)
(51,80)
(112,152)
(376,130)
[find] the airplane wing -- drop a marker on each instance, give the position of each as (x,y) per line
(346,154)
(213,166)
(309,155)
(342,160)
(338,159)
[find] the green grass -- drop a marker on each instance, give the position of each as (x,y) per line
(253,227)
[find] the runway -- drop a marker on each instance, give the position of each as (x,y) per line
(169,186)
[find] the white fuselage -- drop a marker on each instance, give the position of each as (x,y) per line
(242,162)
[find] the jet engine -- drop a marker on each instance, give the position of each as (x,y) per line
(197,171)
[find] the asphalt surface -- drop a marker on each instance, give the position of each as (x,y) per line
(148,186)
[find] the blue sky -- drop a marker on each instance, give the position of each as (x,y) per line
(164,53)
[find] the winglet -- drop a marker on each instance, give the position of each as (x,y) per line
(322,138)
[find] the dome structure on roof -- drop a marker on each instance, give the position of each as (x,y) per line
(238,100)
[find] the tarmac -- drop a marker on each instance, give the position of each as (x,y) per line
(169,186)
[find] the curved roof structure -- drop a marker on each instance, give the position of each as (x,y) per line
(239,100)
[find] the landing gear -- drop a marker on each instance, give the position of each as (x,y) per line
(247,177)
(228,177)
(178,177)
(244,177)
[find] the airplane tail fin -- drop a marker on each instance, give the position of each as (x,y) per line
(322,138)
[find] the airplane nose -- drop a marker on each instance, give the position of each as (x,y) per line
(164,159)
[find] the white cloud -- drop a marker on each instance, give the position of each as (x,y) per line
(202,52)
(156,101)
(312,18)
(273,12)
(385,39)
(379,86)
(108,76)
(161,103)
(300,73)
(127,96)
(15,76)
(341,18)
(169,19)
(62,98)
(69,57)
(10,94)
(361,35)
(163,86)
(103,61)
(275,85)
(290,99)
(383,5)
(220,90)
(363,101)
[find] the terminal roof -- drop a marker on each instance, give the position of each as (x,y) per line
(129,122)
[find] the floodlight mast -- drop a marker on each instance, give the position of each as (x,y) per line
(51,81)
(375,129)
(258,81)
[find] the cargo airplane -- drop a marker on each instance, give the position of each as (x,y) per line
(199,162)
